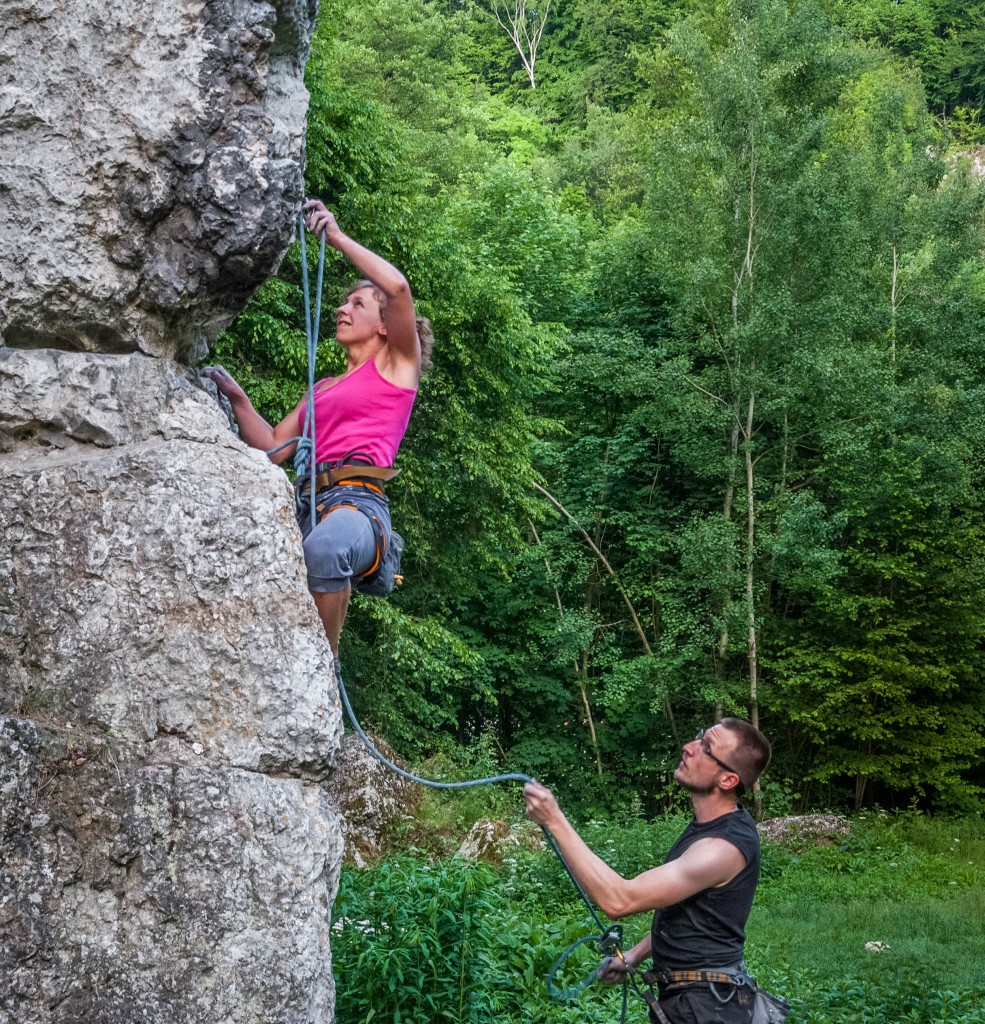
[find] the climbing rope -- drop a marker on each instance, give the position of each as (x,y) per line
(508,777)
(609,939)
(304,454)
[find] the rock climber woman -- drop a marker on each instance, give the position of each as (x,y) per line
(361,417)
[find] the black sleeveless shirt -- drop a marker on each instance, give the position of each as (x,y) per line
(708,928)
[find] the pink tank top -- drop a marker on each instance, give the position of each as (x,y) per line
(363,413)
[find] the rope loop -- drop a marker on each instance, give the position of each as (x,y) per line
(569,992)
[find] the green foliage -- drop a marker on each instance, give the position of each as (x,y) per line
(480,942)
(410,933)
(715,286)
(943,37)
(793,205)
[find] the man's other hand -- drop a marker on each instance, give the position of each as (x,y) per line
(613,971)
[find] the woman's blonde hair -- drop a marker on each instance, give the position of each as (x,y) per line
(425,335)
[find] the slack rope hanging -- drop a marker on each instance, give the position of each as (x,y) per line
(610,938)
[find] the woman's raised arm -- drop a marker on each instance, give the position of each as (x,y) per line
(401,325)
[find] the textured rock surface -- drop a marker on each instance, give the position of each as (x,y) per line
(371,800)
(166,850)
(150,166)
(805,829)
(494,841)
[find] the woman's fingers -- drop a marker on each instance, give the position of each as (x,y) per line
(222,379)
(318,219)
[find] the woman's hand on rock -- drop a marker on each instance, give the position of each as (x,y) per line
(223,381)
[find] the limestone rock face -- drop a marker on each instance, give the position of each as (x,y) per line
(150,166)
(167,852)
(800,830)
(494,841)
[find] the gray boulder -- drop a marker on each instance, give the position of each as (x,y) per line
(801,830)
(167,853)
(150,167)
(495,841)
(372,801)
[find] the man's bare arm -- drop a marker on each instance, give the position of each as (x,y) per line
(704,865)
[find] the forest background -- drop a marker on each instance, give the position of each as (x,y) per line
(704,430)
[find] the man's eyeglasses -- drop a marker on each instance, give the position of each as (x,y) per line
(705,749)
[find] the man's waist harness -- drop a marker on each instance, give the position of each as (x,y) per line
(764,1008)
(671,981)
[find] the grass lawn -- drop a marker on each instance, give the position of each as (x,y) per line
(913,884)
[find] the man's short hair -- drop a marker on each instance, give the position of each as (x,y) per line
(753,752)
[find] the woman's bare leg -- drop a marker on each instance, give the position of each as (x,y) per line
(332,608)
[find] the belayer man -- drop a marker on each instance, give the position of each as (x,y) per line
(701,895)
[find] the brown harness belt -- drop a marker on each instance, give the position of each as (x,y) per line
(350,475)
(672,981)
(669,981)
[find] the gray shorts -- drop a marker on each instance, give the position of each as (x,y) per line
(342,545)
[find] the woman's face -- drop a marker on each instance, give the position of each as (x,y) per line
(358,318)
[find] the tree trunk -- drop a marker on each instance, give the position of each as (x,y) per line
(751,587)
(581,671)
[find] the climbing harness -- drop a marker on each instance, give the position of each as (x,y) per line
(356,469)
(609,939)
(350,469)
(384,574)
(739,985)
